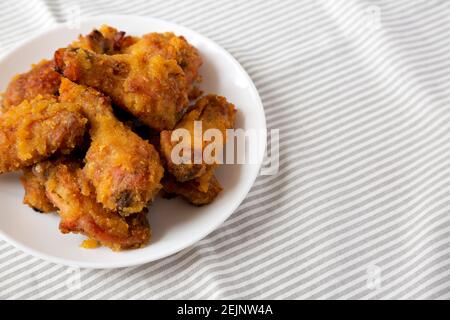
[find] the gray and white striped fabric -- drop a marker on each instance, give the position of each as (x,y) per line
(360,208)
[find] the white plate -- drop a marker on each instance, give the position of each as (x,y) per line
(175,224)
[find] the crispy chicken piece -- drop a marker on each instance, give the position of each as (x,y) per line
(108,40)
(173,47)
(124,170)
(42,80)
(153,89)
(214,112)
(80,213)
(105,40)
(200,191)
(35,195)
(36,129)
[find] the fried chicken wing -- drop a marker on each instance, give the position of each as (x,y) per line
(36,129)
(214,112)
(173,47)
(105,40)
(124,169)
(200,191)
(153,89)
(35,195)
(80,213)
(42,80)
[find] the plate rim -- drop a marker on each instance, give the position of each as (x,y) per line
(200,235)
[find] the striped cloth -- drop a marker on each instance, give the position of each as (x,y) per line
(360,207)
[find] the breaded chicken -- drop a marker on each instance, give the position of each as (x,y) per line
(200,191)
(42,80)
(173,47)
(35,195)
(105,40)
(108,40)
(153,89)
(124,170)
(214,112)
(80,213)
(36,129)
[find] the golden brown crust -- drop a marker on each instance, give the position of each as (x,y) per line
(173,47)
(42,80)
(214,112)
(200,191)
(105,40)
(36,129)
(153,89)
(105,196)
(124,169)
(108,40)
(35,195)
(80,213)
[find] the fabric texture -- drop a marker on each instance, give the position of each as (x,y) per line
(360,91)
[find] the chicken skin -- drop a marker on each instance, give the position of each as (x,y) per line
(170,46)
(35,195)
(98,132)
(108,40)
(199,192)
(42,80)
(105,40)
(214,112)
(34,130)
(124,170)
(153,89)
(80,213)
